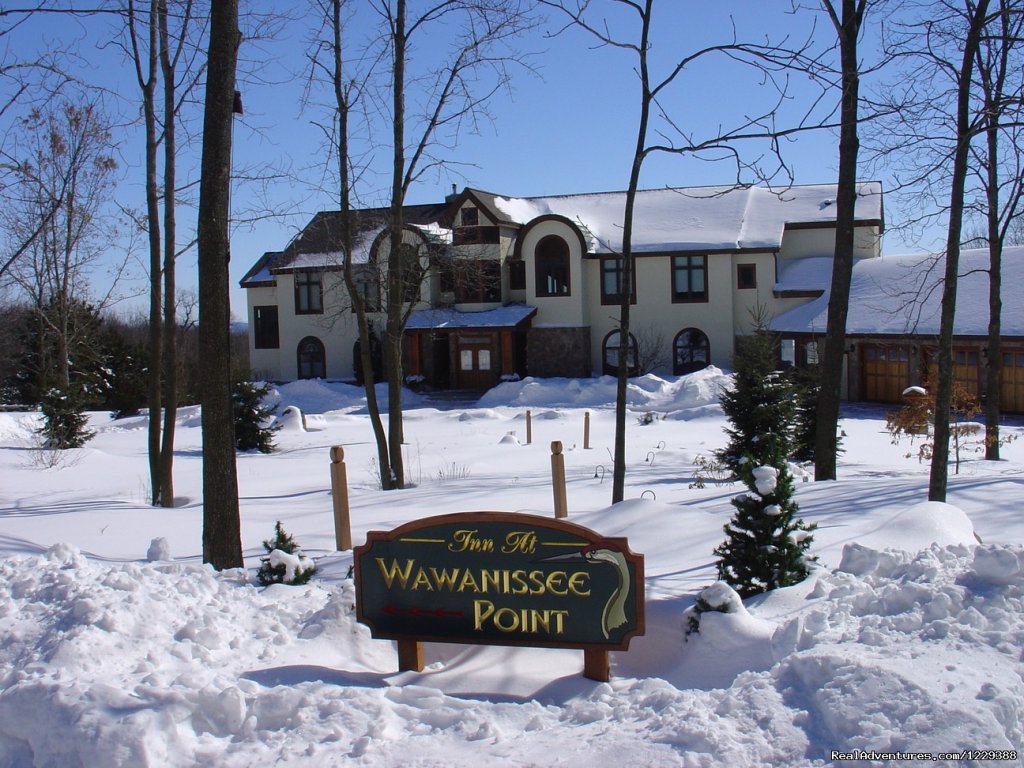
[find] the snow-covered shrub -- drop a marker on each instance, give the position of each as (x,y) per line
(284,563)
(718,597)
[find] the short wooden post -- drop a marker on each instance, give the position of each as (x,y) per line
(339,495)
(596,664)
(529,428)
(558,480)
(586,431)
(410,656)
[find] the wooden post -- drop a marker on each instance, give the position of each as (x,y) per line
(410,656)
(558,480)
(529,428)
(596,664)
(339,495)
(586,431)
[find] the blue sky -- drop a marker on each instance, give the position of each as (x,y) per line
(568,126)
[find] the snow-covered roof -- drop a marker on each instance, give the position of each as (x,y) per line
(501,317)
(712,218)
(903,294)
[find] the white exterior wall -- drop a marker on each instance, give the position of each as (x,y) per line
(569,310)
(800,243)
(748,301)
(656,316)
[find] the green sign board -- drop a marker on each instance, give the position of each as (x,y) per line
(500,578)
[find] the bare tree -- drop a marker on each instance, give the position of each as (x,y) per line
(848,23)
(63,178)
(974,18)
(157,58)
(222,545)
(997,164)
(771,62)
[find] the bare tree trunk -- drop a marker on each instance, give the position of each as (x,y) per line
(994,361)
(939,472)
(619,458)
(393,342)
(170,324)
(825,441)
(222,546)
(343,106)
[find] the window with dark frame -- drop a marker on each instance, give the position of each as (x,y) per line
(516,274)
(746,276)
(266,333)
(470,217)
(309,292)
(691,351)
(552,267)
(478,281)
(368,285)
(611,281)
(689,278)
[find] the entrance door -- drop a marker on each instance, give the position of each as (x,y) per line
(475,362)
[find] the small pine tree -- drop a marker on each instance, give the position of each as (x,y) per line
(806,383)
(292,569)
(766,543)
(64,420)
(251,414)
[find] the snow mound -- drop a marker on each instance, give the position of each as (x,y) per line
(291,419)
(921,525)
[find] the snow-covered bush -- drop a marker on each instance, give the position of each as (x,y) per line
(284,563)
(64,420)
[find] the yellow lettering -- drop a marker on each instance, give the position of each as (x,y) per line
(443,578)
(421,580)
(520,541)
(577,582)
(482,610)
(537,580)
(390,574)
(466,541)
(521,588)
(526,620)
(490,579)
(468,582)
(555,582)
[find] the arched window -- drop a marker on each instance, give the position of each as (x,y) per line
(610,355)
(552,266)
(691,351)
(312,360)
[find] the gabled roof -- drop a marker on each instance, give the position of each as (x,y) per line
(318,244)
(900,295)
(698,218)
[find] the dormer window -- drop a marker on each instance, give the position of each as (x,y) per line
(470,217)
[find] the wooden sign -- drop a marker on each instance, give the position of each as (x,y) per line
(500,579)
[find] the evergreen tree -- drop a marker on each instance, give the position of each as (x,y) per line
(64,420)
(284,563)
(806,383)
(251,414)
(766,543)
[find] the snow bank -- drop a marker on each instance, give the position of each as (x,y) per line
(176,665)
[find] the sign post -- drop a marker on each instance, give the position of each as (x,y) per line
(499,578)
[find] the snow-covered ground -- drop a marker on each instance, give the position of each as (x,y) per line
(118,652)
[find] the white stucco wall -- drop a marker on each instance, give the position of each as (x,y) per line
(800,243)
(559,310)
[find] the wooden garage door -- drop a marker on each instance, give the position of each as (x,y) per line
(967,370)
(885,371)
(1011,398)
